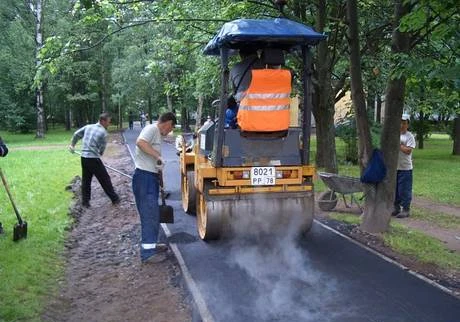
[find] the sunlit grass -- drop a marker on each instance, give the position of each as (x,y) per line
(410,242)
(29,268)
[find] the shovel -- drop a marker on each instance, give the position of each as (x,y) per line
(20,229)
(166,212)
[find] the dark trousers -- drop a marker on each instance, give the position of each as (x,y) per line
(146,187)
(403,195)
(94,166)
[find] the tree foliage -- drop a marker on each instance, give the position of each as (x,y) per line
(16,67)
(415,26)
(123,56)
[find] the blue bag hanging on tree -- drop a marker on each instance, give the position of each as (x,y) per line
(376,170)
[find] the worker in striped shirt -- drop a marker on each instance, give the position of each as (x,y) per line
(93,146)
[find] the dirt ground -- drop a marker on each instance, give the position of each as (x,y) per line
(105,281)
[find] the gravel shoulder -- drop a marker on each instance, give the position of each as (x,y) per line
(104,279)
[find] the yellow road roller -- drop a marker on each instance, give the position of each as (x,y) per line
(259,170)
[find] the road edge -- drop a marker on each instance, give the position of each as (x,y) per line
(388,259)
(203,311)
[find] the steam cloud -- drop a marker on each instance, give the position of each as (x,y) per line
(288,287)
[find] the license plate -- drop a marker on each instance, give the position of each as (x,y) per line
(263,176)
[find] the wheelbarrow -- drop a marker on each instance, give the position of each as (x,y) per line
(338,184)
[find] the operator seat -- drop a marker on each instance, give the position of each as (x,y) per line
(272,57)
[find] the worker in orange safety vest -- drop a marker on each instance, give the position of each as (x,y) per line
(265,105)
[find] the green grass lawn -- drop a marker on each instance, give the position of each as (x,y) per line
(413,243)
(425,248)
(436,171)
(437,218)
(56,136)
(29,268)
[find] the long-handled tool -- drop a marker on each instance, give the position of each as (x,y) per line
(108,167)
(20,229)
(166,212)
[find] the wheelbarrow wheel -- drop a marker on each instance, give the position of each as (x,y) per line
(327,200)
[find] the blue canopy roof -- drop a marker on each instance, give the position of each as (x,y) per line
(277,32)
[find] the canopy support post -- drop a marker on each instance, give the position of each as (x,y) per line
(219,131)
(307,104)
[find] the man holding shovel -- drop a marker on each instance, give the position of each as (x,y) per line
(146,180)
(93,146)
(3,153)
(3,148)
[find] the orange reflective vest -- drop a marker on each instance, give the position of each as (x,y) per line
(265,104)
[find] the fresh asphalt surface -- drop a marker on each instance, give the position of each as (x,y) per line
(323,277)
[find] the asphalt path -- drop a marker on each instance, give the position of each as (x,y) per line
(322,277)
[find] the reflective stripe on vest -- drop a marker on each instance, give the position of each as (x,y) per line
(266,95)
(265,105)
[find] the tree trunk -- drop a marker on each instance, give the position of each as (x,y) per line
(149,109)
(91,112)
(421,142)
(378,109)
(40,134)
(370,103)
(36,9)
(379,202)
(422,126)
(420,137)
(323,110)
(184,121)
(169,102)
(199,111)
(359,104)
(47,113)
(456,136)
(323,101)
(120,120)
(68,119)
(357,92)
(103,85)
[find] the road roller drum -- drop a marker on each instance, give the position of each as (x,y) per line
(283,213)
